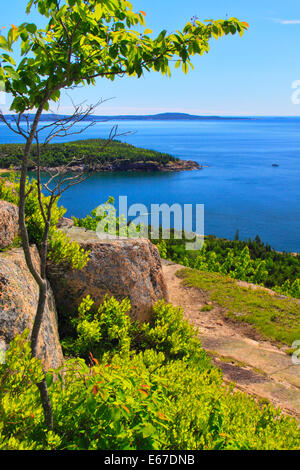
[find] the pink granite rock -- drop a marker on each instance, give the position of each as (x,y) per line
(8,223)
(18,303)
(117,267)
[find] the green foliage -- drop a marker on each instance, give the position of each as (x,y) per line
(63,250)
(94,408)
(290,289)
(90,222)
(109,329)
(207,308)
(106,330)
(105,212)
(171,334)
(104,219)
(136,399)
(163,250)
(250,261)
(18,378)
(59,154)
(280,266)
(9,191)
(60,247)
(238,266)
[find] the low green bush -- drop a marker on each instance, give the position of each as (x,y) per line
(61,249)
(109,330)
(131,401)
(104,219)
(171,334)
(289,288)
(105,330)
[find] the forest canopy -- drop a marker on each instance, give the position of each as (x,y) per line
(91,149)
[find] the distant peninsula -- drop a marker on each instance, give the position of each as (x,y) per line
(137,117)
(82,155)
(166,117)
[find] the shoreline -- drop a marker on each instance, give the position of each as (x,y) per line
(122,165)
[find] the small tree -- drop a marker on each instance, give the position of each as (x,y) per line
(83,40)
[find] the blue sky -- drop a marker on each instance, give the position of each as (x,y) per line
(252,75)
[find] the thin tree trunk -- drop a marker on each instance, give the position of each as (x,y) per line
(46,403)
(38,318)
(43,286)
(42,283)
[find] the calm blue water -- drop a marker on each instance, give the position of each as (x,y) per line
(240,188)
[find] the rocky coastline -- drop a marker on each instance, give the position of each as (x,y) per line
(128,165)
(125,165)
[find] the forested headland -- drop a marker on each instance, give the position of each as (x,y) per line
(85,152)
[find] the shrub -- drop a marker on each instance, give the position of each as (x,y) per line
(171,334)
(60,247)
(289,289)
(106,330)
(104,219)
(250,261)
(110,330)
(133,401)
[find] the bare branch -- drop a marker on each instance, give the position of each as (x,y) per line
(62,125)
(60,180)
(17,130)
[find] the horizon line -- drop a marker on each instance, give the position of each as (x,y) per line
(171,113)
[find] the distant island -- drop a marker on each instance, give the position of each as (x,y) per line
(150,117)
(117,156)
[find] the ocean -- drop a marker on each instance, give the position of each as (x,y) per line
(239,186)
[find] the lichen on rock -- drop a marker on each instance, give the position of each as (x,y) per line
(119,267)
(18,303)
(8,223)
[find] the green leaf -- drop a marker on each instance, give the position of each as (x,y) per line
(98,11)
(161,35)
(10,71)
(49,379)
(185,68)
(91,404)
(31,28)
(29,5)
(8,58)
(4,44)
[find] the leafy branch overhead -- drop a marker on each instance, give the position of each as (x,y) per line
(98,38)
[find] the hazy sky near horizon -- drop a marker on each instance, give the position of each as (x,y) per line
(252,75)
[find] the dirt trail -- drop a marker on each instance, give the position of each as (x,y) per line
(256,366)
